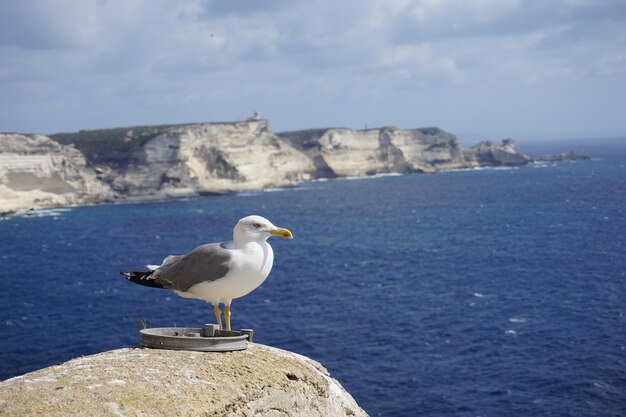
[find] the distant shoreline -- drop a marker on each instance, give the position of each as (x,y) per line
(147,163)
(38,210)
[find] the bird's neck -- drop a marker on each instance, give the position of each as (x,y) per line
(244,244)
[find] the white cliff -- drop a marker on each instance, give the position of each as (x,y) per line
(346,152)
(36,171)
(488,154)
(209,158)
(186,160)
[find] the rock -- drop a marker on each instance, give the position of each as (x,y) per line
(259,381)
(346,152)
(565,156)
(488,154)
(153,162)
(37,171)
(193,159)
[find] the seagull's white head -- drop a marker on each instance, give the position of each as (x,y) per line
(257,228)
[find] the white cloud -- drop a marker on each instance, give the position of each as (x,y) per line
(106,63)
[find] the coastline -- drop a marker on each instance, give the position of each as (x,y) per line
(27,210)
(166,162)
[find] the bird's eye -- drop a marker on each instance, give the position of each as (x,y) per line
(256,225)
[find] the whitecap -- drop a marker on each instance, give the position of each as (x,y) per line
(517,320)
(389,174)
(510,332)
(360,177)
(41,212)
(485,168)
(460,170)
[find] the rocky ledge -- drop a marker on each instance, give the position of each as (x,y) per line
(259,381)
(156,162)
(37,171)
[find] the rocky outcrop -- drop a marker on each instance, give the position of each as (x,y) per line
(185,160)
(488,154)
(37,171)
(259,381)
(196,159)
(346,152)
(565,156)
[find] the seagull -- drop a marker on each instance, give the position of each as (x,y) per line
(218,272)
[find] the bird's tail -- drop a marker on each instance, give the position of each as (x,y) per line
(144,278)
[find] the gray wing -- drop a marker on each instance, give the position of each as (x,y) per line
(205,263)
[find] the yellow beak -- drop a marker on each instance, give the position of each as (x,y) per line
(279,231)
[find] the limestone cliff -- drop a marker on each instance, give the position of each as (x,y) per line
(37,171)
(259,381)
(488,154)
(346,152)
(186,160)
(194,159)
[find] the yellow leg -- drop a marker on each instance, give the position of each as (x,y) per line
(227,316)
(218,315)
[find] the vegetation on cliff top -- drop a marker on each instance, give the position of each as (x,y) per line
(105,144)
(115,144)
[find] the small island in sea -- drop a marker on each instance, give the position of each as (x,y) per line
(169,161)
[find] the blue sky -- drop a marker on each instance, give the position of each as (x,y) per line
(482,69)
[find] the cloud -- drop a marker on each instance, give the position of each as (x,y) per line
(238,8)
(163,61)
(40,24)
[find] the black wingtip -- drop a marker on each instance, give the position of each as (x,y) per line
(144,278)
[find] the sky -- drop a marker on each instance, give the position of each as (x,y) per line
(481,69)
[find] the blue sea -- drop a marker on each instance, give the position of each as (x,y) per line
(489,292)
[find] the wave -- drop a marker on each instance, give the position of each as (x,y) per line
(43,212)
(388,174)
(266,190)
(502,168)
(543,164)
(491,168)
(357,177)
(517,320)
(247,193)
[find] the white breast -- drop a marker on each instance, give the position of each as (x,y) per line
(249,267)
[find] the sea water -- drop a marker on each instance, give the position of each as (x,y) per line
(489,292)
